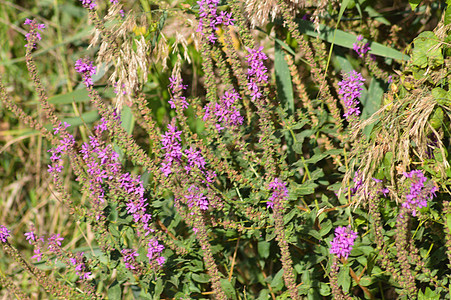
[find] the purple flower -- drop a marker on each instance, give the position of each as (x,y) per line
(195,159)
(4,233)
(37,254)
(154,252)
(90,4)
(226,114)
(80,267)
(344,239)
(171,144)
(30,237)
(349,91)
(55,242)
(129,258)
(195,197)
(419,192)
(176,86)
(33,35)
(86,69)
(279,194)
(358,182)
(208,16)
(360,47)
(256,72)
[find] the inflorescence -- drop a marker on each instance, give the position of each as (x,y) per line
(360,47)
(256,72)
(344,239)
(350,88)
(420,191)
(208,16)
(33,35)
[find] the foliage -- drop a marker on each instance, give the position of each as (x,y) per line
(225,149)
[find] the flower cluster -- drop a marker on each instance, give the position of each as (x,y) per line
(279,194)
(419,192)
(80,267)
(33,35)
(173,149)
(196,197)
(86,69)
(226,113)
(66,142)
(154,250)
(349,91)
(4,233)
(208,14)
(54,243)
(360,47)
(343,241)
(129,258)
(176,86)
(256,72)
(90,4)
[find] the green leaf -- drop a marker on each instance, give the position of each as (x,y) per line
(228,288)
(115,291)
(346,40)
(277,282)
(414,3)
(427,50)
(306,188)
(202,278)
(283,80)
(344,280)
(325,228)
(263,249)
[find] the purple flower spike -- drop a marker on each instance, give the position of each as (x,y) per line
(344,239)
(154,252)
(360,47)
(350,88)
(90,4)
(208,17)
(420,192)
(129,258)
(33,35)
(279,194)
(256,72)
(86,69)
(4,233)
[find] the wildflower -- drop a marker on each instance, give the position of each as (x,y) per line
(171,143)
(90,4)
(419,192)
(80,267)
(129,258)
(176,86)
(349,91)
(33,35)
(86,69)
(360,47)
(195,159)
(225,113)
(343,241)
(37,254)
(195,197)
(30,237)
(55,242)
(208,15)
(154,252)
(4,233)
(256,72)
(279,194)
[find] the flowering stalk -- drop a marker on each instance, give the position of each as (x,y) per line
(277,202)
(350,88)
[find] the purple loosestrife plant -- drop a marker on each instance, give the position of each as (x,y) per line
(86,68)
(130,258)
(33,35)
(80,267)
(279,194)
(209,17)
(4,233)
(89,4)
(176,85)
(360,47)
(225,114)
(349,91)
(341,245)
(419,193)
(256,72)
